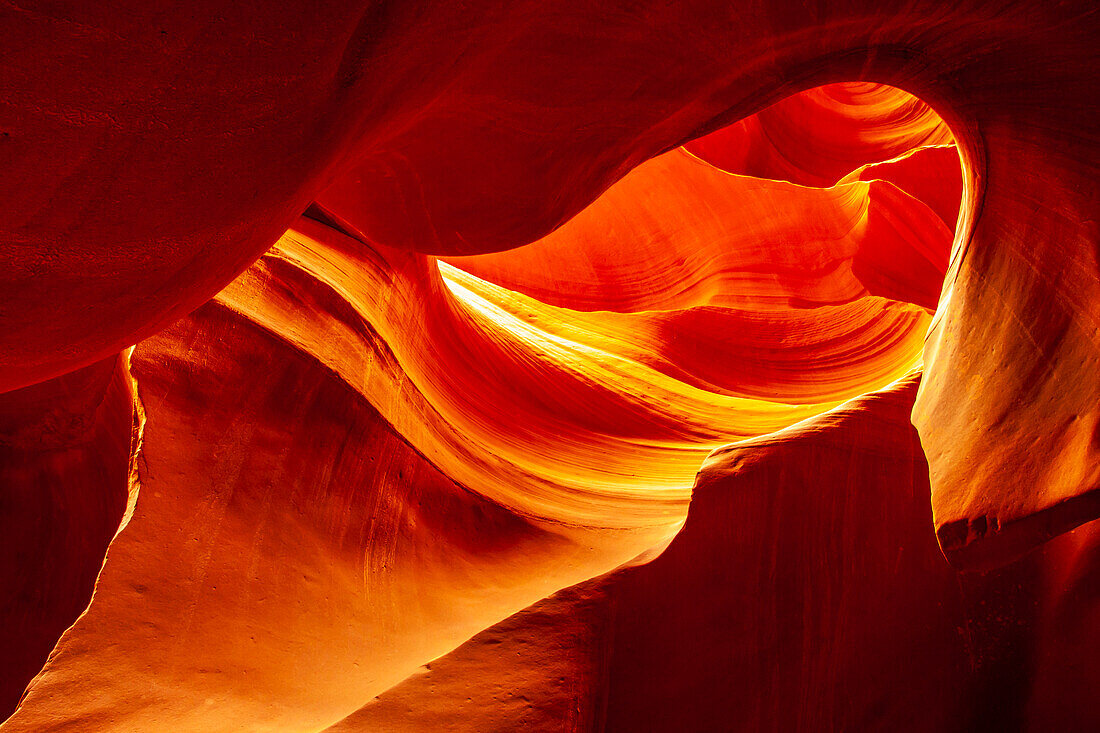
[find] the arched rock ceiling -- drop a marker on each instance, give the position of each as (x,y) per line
(137,186)
(357,456)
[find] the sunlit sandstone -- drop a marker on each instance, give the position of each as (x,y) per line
(652,416)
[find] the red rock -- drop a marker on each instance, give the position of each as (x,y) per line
(804,592)
(817,137)
(357,457)
(316,474)
(67,448)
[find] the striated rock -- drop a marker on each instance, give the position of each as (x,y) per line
(658,236)
(926,174)
(139,185)
(231,124)
(819,136)
(285,541)
(520,399)
(331,496)
(676,233)
(804,593)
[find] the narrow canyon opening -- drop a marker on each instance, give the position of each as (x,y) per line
(549,366)
(756,276)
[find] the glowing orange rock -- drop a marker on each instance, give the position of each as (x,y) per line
(358,457)
(805,591)
(817,137)
(541,669)
(285,540)
(677,233)
(932,175)
(804,575)
(351,453)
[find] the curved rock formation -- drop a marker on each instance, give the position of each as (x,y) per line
(534,112)
(564,437)
(676,233)
(805,592)
(431,481)
(551,259)
(821,135)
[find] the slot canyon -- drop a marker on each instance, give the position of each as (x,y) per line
(595,366)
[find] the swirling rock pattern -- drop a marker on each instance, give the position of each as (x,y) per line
(430,481)
(850,618)
(552,258)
